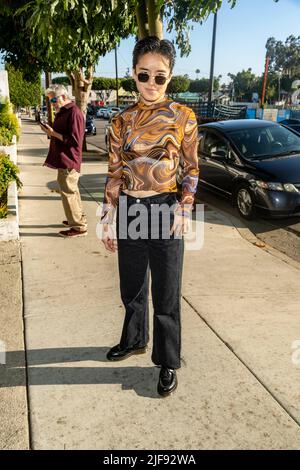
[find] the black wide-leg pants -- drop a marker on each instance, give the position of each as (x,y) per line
(163,257)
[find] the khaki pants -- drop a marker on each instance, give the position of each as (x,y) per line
(68,185)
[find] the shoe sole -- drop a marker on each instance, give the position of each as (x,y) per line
(73,236)
(136,352)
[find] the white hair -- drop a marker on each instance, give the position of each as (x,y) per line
(57,90)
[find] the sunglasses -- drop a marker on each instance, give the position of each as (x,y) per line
(53,100)
(144,77)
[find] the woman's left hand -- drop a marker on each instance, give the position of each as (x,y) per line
(181,225)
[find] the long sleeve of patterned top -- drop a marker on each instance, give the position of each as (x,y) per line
(189,148)
(146,144)
(114,177)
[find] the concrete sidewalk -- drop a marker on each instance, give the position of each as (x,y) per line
(13,397)
(238,387)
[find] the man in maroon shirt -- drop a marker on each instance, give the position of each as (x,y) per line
(65,155)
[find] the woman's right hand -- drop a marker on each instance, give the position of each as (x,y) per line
(109,238)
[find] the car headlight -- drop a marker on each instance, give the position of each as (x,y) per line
(275,186)
(265,185)
(289,187)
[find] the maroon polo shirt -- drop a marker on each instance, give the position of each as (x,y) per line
(69,121)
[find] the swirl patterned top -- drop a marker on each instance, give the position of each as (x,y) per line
(146,143)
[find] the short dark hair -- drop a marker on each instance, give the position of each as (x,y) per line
(154,44)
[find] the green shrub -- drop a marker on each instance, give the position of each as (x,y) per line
(14,125)
(3,205)
(8,119)
(8,173)
(6,136)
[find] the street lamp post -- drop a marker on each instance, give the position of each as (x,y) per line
(212,61)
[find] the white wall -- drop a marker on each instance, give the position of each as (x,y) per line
(4,90)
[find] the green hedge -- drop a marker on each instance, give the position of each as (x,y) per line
(6,136)
(9,120)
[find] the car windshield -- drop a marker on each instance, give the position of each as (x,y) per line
(266,142)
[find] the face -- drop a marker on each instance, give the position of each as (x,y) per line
(60,101)
(152,64)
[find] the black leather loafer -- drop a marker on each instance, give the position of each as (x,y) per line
(118,354)
(167,382)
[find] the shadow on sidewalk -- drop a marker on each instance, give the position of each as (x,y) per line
(140,379)
(42,226)
(30,152)
(84,197)
(49,234)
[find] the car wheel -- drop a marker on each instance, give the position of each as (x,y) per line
(244,202)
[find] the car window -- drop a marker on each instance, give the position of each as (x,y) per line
(214,144)
(269,140)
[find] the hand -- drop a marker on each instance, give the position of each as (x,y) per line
(181,225)
(109,238)
(47,129)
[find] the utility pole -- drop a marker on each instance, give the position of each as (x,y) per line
(212,60)
(116,66)
(263,95)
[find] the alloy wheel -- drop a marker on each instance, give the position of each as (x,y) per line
(244,202)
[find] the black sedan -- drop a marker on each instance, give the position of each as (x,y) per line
(254,163)
(90,127)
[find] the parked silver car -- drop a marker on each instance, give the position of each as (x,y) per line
(100,111)
(110,111)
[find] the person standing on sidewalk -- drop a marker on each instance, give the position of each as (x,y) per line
(65,155)
(146,143)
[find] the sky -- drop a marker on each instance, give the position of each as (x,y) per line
(242,33)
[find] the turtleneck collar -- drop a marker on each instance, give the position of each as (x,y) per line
(143,105)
